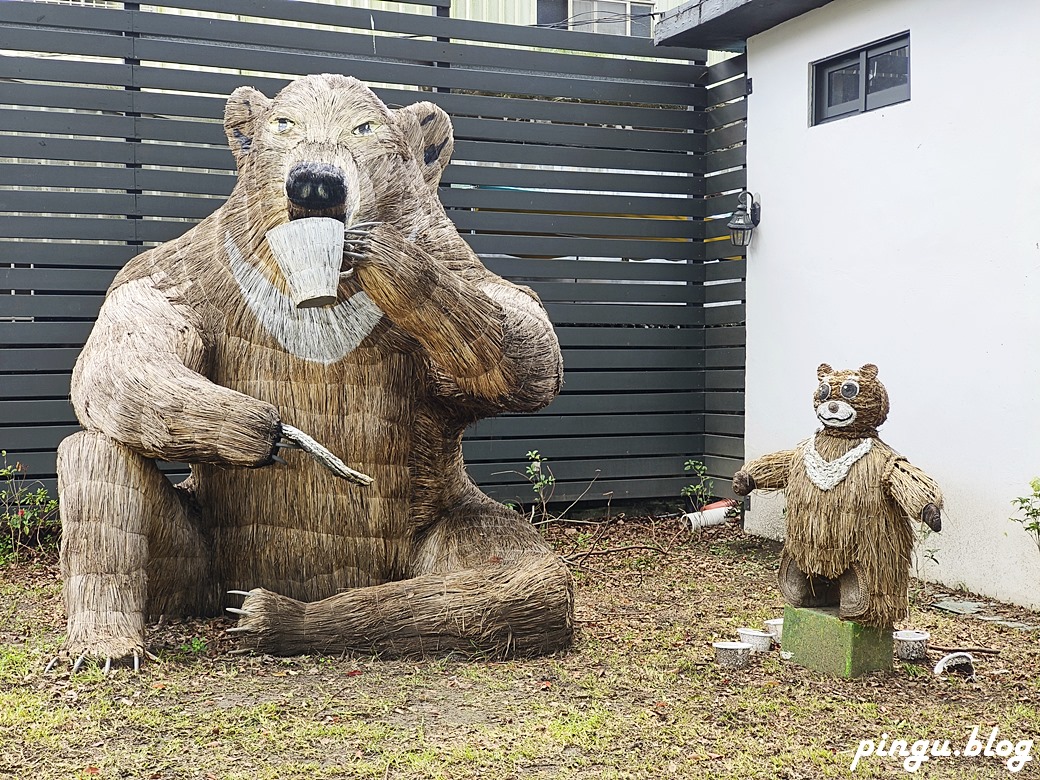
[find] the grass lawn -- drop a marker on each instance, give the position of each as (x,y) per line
(638,696)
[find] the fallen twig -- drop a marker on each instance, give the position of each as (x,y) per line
(986,650)
(619,549)
(593,569)
(595,539)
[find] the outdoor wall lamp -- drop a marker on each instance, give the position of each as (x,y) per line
(744,220)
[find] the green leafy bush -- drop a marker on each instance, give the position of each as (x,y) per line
(28,515)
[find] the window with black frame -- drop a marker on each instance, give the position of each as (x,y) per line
(862,80)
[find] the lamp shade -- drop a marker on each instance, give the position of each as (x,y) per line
(743,221)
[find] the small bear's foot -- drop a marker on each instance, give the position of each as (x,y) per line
(108,653)
(855,599)
(267,621)
(803,590)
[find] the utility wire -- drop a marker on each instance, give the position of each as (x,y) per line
(577,21)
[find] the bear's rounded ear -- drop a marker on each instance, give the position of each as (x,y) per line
(428,135)
(240,113)
(823,370)
(868,371)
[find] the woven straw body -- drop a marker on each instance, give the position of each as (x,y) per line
(199,355)
(855,522)
(862,523)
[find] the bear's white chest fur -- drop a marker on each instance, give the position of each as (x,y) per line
(319,335)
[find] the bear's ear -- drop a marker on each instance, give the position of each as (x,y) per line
(240,113)
(823,370)
(427,133)
(868,371)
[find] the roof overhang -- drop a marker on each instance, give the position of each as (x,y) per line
(725,25)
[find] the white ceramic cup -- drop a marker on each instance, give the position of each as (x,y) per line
(309,252)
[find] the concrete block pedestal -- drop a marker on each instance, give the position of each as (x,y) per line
(818,639)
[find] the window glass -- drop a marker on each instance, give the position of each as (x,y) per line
(888,70)
(611,18)
(641,20)
(552,11)
(582,13)
(843,84)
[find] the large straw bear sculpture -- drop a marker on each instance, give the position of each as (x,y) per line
(851,501)
(199,356)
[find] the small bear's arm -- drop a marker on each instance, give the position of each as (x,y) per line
(139,381)
(914,492)
(769,472)
(488,340)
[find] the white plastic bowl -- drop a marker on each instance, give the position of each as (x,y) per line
(775,626)
(911,645)
(760,641)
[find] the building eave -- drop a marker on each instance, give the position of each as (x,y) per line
(725,25)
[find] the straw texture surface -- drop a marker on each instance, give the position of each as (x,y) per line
(851,501)
(200,356)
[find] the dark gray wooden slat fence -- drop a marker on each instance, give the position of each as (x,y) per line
(724,270)
(595,179)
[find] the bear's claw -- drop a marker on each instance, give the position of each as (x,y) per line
(107,668)
(356,246)
(362,228)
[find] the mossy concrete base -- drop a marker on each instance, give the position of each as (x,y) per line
(818,639)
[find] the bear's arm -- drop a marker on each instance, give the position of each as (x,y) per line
(769,472)
(488,341)
(911,488)
(139,381)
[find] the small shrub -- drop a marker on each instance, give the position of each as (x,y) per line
(702,490)
(543,483)
(197,646)
(28,514)
(1029,507)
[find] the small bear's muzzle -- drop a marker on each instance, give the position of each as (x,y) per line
(316,189)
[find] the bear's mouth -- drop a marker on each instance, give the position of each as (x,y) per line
(316,189)
(339,214)
(836,414)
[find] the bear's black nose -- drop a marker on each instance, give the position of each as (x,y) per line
(316,186)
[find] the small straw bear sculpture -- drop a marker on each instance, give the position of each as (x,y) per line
(851,500)
(224,350)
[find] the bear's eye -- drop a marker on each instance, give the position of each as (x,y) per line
(824,392)
(282,124)
(365,128)
(849,388)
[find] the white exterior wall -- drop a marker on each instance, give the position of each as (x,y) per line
(908,237)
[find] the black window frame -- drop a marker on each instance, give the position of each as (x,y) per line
(863,102)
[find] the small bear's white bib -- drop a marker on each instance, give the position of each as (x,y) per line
(826,474)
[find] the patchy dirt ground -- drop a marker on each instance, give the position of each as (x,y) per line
(638,696)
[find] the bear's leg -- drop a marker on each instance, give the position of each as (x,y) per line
(855,594)
(485,584)
(869,598)
(805,590)
(112,500)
